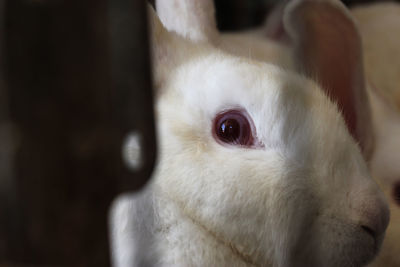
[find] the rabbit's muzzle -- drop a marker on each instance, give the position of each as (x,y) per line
(374,219)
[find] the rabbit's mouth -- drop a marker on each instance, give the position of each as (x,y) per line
(377,240)
(364,246)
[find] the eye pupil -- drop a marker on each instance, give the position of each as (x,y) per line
(233,127)
(229,130)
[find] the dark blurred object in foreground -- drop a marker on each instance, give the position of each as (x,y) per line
(243,14)
(77,82)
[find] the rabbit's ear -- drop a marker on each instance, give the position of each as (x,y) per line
(327,47)
(193,19)
(168,49)
(273,28)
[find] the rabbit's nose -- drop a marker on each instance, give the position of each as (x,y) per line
(374,217)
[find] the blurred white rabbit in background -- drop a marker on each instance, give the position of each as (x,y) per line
(256,167)
(379,26)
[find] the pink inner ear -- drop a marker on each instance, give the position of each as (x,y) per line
(333,60)
(274,25)
(327,47)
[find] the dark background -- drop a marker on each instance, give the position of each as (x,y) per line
(242,14)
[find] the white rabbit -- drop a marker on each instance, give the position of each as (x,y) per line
(256,165)
(379,26)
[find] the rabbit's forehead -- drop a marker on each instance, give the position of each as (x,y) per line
(214,84)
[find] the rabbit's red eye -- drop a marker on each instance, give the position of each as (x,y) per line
(396,193)
(233,127)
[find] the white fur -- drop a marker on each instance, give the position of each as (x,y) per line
(297,199)
(196,19)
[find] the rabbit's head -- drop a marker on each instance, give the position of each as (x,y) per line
(257,156)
